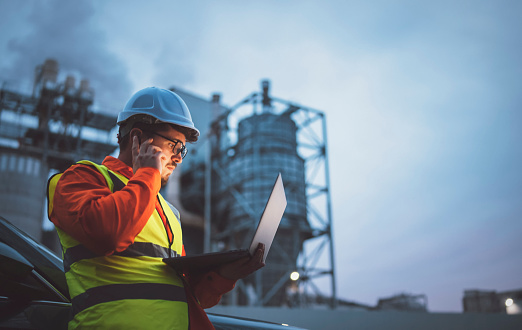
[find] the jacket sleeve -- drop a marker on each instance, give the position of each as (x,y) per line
(105,222)
(208,288)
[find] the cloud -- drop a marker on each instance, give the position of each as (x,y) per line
(67,32)
(159,40)
(174,65)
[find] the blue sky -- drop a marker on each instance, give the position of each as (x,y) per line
(422,100)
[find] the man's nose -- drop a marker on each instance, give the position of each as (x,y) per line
(177,158)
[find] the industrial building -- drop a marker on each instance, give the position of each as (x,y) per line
(50,129)
(490,301)
(404,302)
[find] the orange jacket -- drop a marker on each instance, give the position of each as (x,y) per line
(106,222)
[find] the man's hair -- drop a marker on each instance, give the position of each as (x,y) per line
(124,141)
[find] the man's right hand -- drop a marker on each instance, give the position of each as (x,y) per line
(147,155)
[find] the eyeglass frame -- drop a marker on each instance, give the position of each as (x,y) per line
(182,151)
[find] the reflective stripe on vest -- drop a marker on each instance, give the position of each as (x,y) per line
(136,249)
(127,283)
(114,292)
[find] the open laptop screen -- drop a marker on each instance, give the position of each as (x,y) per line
(265,233)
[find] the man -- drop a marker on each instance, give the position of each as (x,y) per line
(115,228)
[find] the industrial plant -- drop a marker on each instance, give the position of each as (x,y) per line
(49,130)
(220,189)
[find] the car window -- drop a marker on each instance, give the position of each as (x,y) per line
(47,264)
(46,253)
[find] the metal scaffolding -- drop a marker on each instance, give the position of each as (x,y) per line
(248,144)
(51,129)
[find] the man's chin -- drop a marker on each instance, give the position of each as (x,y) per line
(165,180)
(166,175)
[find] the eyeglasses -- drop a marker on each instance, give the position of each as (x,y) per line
(181,150)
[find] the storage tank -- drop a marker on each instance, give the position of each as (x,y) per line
(266,146)
(45,76)
(48,72)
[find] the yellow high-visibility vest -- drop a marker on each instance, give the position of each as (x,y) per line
(132,289)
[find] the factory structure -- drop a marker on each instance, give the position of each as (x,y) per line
(48,130)
(490,301)
(220,188)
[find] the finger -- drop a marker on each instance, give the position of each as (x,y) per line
(260,247)
(154,149)
(260,251)
(256,261)
(135,147)
(162,157)
(145,145)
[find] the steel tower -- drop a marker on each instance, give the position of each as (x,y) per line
(250,144)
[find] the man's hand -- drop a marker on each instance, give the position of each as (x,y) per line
(245,266)
(147,155)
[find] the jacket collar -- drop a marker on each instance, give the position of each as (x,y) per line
(116,165)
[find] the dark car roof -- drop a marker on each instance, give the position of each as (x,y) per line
(45,262)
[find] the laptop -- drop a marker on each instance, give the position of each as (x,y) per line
(265,233)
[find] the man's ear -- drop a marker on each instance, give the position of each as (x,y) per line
(136,132)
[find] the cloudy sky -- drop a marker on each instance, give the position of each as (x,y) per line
(423,104)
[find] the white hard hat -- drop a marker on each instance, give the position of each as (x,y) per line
(163,105)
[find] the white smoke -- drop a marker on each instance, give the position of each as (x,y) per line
(67,32)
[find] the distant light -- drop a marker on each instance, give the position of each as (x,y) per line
(284,324)
(294,276)
(509,302)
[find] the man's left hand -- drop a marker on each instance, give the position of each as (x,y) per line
(245,266)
